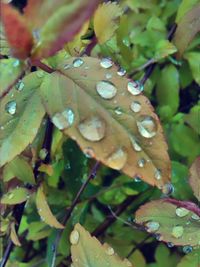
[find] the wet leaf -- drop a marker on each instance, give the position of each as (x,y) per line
(193,118)
(15,196)
(13,235)
(188,27)
(10,71)
(19,168)
(195,178)
(16,31)
(91,107)
(106,21)
(88,251)
(193,59)
(170,222)
(21,116)
(44,210)
(57,23)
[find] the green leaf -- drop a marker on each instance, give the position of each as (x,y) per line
(15,196)
(92,117)
(21,115)
(193,118)
(195,178)
(190,260)
(193,59)
(38,230)
(19,168)
(44,210)
(176,225)
(10,71)
(163,49)
(167,90)
(184,7)
(88,251)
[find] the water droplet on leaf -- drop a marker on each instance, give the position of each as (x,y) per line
(147,126)
(63,120)
(108,75)
(89,152)
(106,63)
(118,159)
(74,237)
(118,111)
(137,179)
(67,66)
(187,249)
(168,189)
(11,107)
(152,226)
(158,174)
(182,212)
(135,106)
(110,251)
(135,145)
(195,217)
(177,231)
(92,129)
(121,72)
(10,195)
(78,62)
(135,88)
(141,163)
(20,86)
(106,89)
(170,244)
(16,63)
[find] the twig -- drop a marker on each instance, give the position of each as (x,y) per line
(139,245)
(41,65)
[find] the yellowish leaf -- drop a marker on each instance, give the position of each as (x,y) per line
(46,168)
(13,235)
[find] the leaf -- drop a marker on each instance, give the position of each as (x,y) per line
(184,7)
(171,223)
(88,251)
(46,168)
(187,29)
(16,31)
(93,119)
(59,22)
(194,179)
(19,168)
(190,260)
(38,230)
(167,90)
(44,210)
(15,196)
(21,115)
(106,21)
(4,47)
(193,59)
(193,118)
(13,235)
(163,49)
(8,67)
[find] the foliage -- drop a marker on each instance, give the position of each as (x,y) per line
(100,133)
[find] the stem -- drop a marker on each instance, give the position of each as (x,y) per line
(41,65)
(139,245)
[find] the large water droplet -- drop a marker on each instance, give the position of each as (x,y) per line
(92,129)
(187,249)
(121,72)
(110,251)
(106,89)
(147,126)
(141,163)
(135,88)
(77,62)
(177,231)
(158,174)
(135,144)
(20,85)
(74,237)
(168,189)
(118,159)
(152,227)
(63,120)
(135,106)
(106,63)
(11,107)
(182,212)
(195,217)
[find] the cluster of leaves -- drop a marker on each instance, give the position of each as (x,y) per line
(65,104)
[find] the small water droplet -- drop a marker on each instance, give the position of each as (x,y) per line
(135,144)
(67,66)
(168,189)
(36,34)
(106,89)
(89,152)
(135,88)
(121,72)
(10,195)
(108,75)
(158,174)
(195,217)
(137,179)
(11,107)
(141,163)
(43,153)
(170,244)
(110,251)
(63,120)
(118,159)
(147,126)
(16,63)
(177,231)
(92,129)
(19,86)
(118,111)
(106,63)
(135,106)
(152,227)
(77,62)
(74,237)
(187,249)
(182,212)
(159,237)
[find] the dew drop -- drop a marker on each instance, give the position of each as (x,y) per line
(121,72)
(159,237)
(16,63)
(118,111)
(137,179)
(158,174)
(168,189)
(67,66)
(135,106)
(77,62)
(63,120)
(89,152)
(92,129)
(106,63)
(108,75)
(135,144)
(106,89)
(152,227)
(170,244)
(182,212)
(11,107)
(74,237)
(147,127)
(187,249)
(20,86)
(195,217)
(177,231)
(110,251)
(10,195)
(135,88)
(118,159)
(141,163)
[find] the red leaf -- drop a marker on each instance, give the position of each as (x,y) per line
(17,32)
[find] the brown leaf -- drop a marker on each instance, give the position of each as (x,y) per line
(93,106)
(17,32)
(187,29)
(194,179)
